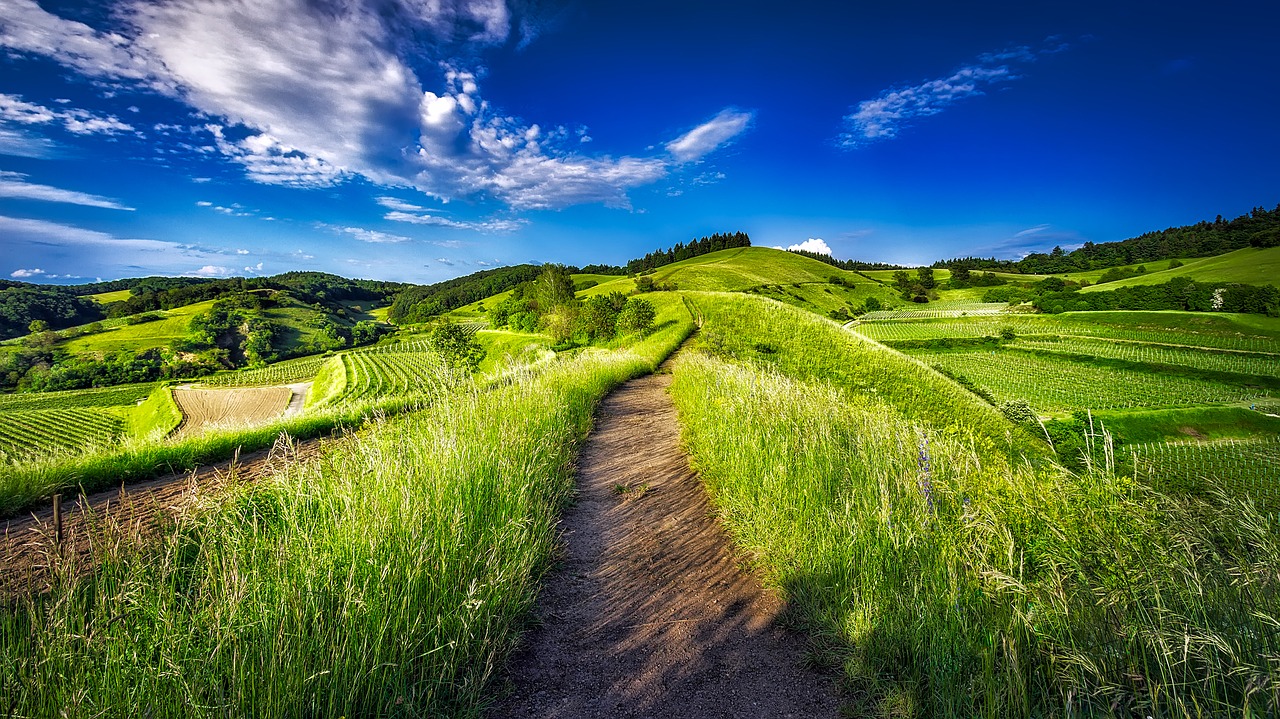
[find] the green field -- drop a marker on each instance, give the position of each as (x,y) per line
(1245,333)
(1060,385)
(117,296)
(1250,266)
(171,326)
(82,422)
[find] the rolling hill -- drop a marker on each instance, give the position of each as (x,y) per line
(1249,266)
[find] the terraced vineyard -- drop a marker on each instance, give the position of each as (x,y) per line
(898,330)
(385,372)
(286,372)
(1215,361)
(127,394)
(1248,467)
(29,431)
(1054,385)
(1168,328)
(940,310)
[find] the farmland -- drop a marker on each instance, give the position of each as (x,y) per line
(23,431)
(1242,467)
(1062,385)
(849,468)
(206,408)
(301,369)
(1215,331)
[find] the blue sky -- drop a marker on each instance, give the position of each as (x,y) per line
(418,140)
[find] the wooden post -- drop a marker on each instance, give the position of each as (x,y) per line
(57,519)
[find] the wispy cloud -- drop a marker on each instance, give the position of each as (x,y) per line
(491,225)
(14,185)
(364,235)
(22,274)
(710,135)
(885,116)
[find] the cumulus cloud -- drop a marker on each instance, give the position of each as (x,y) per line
(212,271)
(14,185)
(310,94)
(710,135)
(23,274)
(885,116)
(813,244)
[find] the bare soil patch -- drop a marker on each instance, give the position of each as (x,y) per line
(650,614)
(205,408)
(123,519)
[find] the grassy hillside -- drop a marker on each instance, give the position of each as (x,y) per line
(172,325)
(107,297)
(294,316)
(1250,266)
(943,576)
(737,270)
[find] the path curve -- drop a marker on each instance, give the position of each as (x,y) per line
(650,614)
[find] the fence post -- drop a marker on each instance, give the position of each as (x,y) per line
(57,519)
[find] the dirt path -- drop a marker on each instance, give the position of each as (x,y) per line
(298,401)
(650,615)
(128,514)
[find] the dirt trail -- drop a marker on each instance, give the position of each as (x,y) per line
(126,515)
(650,615)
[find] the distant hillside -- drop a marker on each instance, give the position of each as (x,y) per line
(737,270)
(249,328)
(62,307)
(1260,228)
(421,303)
(1250,266)
(695,248)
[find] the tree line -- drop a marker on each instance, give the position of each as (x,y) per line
(1259,228)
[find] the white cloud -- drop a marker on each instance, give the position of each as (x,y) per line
(14,185)
(242,252)
(52,233)
(309,94)
(212,271)
(813,244)
(493,225)
(883,117)
(392,203)
(708,136)
(16,111)
(254,268)
(22,274)
(364,235)
(17,142)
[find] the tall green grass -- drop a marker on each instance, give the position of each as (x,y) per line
(388,578)
(947,576)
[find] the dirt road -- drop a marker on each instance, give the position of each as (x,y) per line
(650,614)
